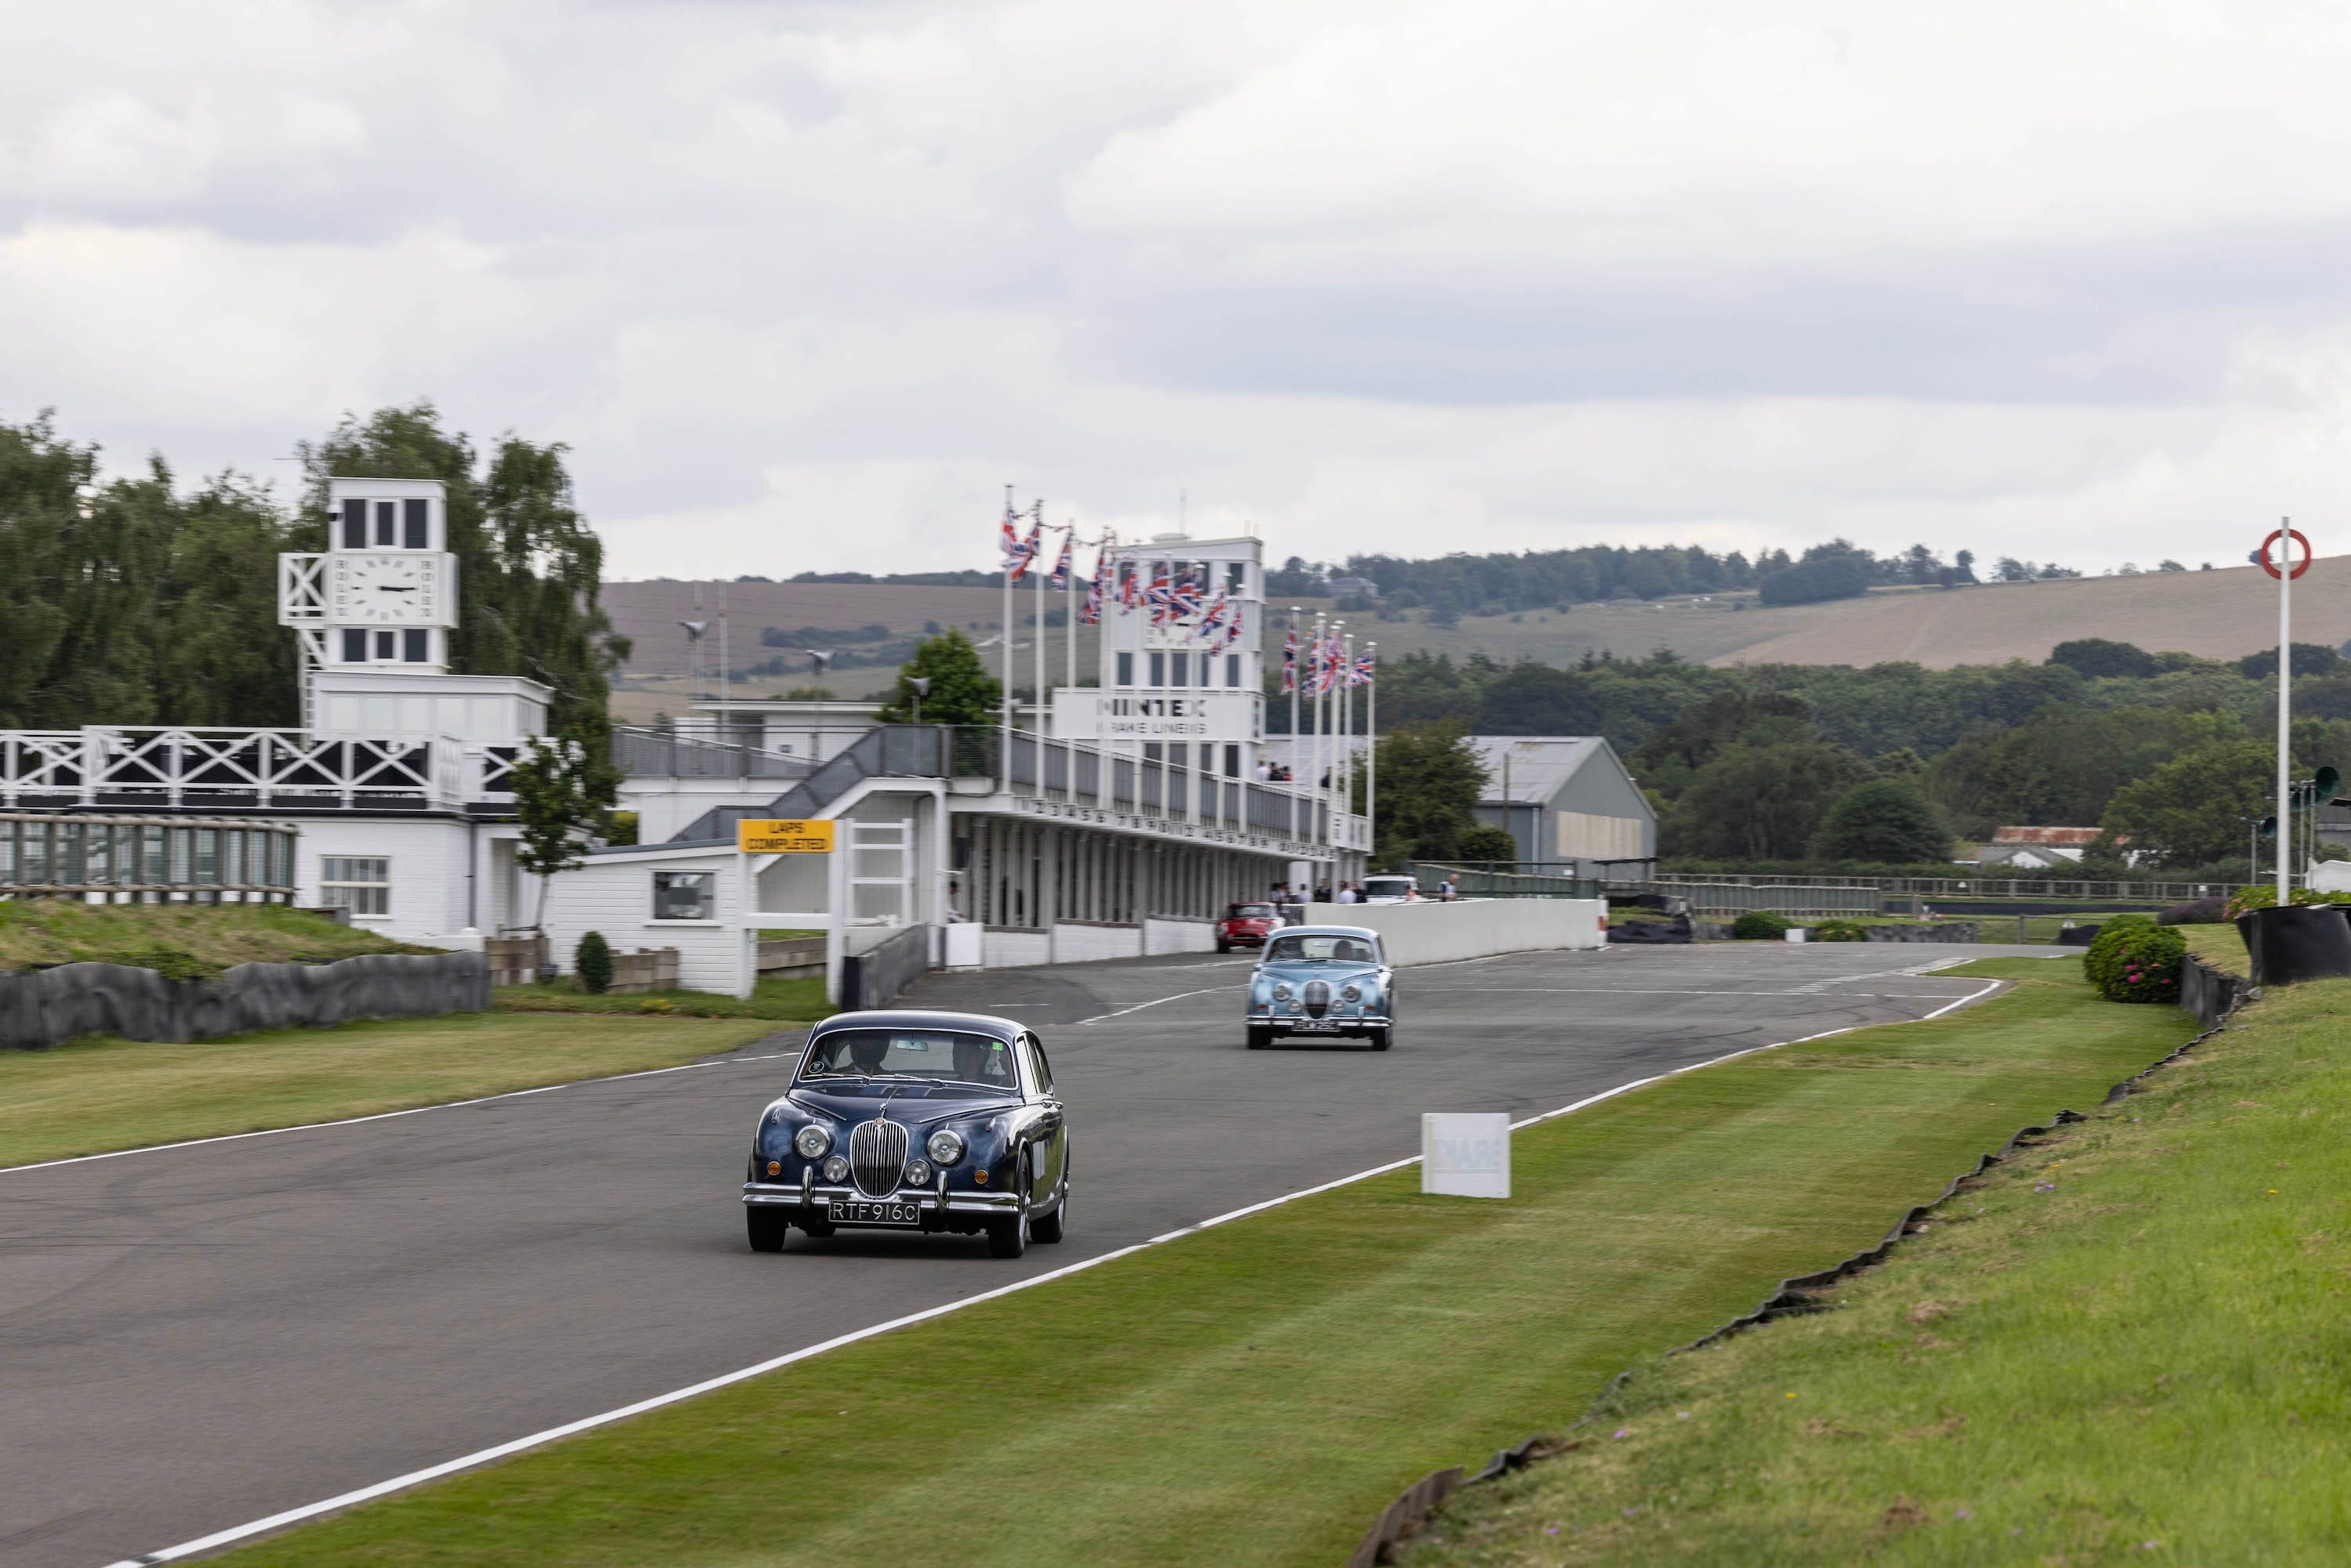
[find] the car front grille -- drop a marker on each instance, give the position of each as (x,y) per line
(877,1157)
(1318,999)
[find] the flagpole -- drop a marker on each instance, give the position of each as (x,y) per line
(1039,702)
(1372,753)
(1347,724)
(1003,722)
(1289,667)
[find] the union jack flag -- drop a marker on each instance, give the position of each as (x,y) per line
(1129,584)
(1089,609)
(1213,623)
(1188,594)
(1018,553)
(1366,671)
(1232,628)
(1160,596)
(1060,578)
(1290,662)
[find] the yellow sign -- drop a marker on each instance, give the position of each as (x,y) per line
(761,836)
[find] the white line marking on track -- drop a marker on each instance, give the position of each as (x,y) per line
(588,1422)
(1099,1018)
(389,1115)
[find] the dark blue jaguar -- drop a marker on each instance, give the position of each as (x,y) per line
(913,1120)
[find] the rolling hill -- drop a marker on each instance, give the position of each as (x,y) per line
(2215,614)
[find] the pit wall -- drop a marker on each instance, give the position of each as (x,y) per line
(1087,942)
(1434,933)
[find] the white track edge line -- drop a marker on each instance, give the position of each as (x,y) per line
(387,1115)
(588,1422)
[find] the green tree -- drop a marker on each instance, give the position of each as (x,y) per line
(1430,779)
(1883,821)
(1760,800)
(529,568)
(2190,811)
(2099,657)
(962,691)
(563,788)
(224,659)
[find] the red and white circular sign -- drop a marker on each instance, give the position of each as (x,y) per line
(2297,535)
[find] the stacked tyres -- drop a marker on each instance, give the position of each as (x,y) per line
(2296,942)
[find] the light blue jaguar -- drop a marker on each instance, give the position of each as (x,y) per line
(1323,980)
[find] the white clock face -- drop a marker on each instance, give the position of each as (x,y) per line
(384,590)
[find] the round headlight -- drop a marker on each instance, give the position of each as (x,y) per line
(1281,993)
(812,1140)
(836,1169)
(1352,994)
(946,1147)
(918,1171)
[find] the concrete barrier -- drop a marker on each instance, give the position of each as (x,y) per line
(1170,934)
(1438,933)
(44,1008)
(1091,941)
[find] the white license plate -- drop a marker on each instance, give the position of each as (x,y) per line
(1314,1026)
(855,1211)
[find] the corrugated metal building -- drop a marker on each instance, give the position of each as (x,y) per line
(1568,799)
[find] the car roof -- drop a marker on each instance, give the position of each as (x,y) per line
(907,1017)
(1329,931)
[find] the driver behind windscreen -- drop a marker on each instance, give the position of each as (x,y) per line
(982,1061)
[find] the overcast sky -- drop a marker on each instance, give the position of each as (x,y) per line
(804,285)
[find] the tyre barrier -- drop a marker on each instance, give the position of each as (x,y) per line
(2291,943)
(40,1008)
(1419,1502)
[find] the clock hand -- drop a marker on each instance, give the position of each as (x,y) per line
(387,587)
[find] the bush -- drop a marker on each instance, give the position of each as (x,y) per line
(1840,931)
(2133,960)
(2263,896)
(1759,926)
(593,961)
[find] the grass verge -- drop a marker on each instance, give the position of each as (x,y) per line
(2223,947)
(186,939)
(2128,1344)
(785,1002)
(99,1095)
(1257,1392)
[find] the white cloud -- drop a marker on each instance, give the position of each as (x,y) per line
(810,284)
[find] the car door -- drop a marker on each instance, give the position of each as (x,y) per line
(1052,1143)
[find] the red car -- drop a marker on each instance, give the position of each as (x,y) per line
(1247,925)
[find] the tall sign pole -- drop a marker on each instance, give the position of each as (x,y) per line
(2284,569)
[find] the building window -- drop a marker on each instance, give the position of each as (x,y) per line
(1233,670)
(1178,669)
(1158,668)
(355,524)
(414,534)
(416,646)
(384,644)
(387,522)
(1232,761)
(1125,670)
(360,884)
(354,646)
(684,895)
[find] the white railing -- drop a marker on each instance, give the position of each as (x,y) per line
(156,766)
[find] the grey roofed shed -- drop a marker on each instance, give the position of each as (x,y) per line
(1568,801)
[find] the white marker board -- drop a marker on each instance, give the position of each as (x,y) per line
(1466,1153)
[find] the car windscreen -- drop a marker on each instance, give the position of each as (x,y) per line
(1387,886)
(947,1056)
(1252,912)
(1304,949)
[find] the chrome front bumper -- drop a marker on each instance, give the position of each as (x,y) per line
(1345,1021)
(929,1199)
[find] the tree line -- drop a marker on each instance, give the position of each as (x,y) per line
(1820,766)
(134,600)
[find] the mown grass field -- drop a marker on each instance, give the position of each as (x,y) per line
(1255,1393)
(101,1094)
(2128,1344)
(63,930)
(790,1001)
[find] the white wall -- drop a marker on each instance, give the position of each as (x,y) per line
(1434,933)
(1089,942)
(1016,949)
(665,805)
(1178,935)
(428,870)
(614,894)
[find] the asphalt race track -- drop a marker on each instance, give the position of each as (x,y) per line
(191,1339)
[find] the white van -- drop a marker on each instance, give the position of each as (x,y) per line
(1391,889)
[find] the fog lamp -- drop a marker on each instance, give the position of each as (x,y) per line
(836,1170)
(918,1171)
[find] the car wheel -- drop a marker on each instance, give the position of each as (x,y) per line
(1260,1037)
(1384,1037)
(1047,1230)
(1009,1237)
(1223,946)
(766,1227)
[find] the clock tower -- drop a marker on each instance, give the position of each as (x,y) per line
(384,594)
